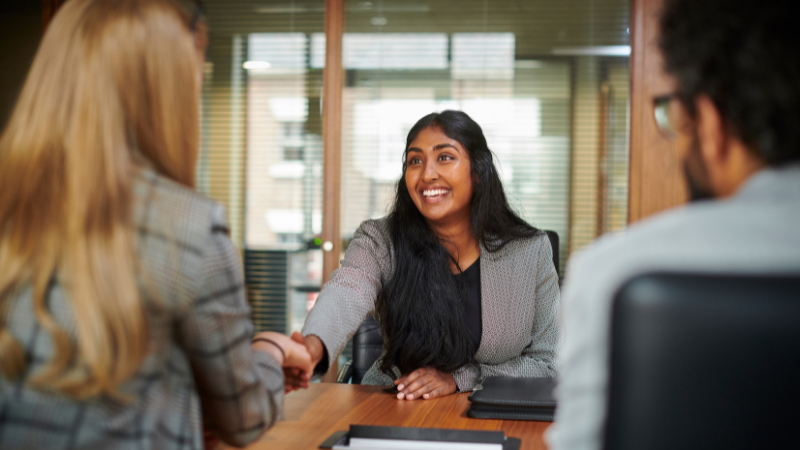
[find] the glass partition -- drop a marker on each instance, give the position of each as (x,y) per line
(546,81)
(262,151)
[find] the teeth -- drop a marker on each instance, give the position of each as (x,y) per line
(433,192)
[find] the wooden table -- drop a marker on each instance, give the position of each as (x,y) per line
(315,413)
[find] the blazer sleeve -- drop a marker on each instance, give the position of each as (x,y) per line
(538,358)
(349,297)
(240,389)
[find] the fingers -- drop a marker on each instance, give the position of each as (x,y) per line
(294,380)
(290,387)
(403,381)
(297,337)
(292,354)
(411,390)
(437,392)
(295,375)
(446,385)
(297,362)
(426,383)
(297,356)
(410,378)
(424,389)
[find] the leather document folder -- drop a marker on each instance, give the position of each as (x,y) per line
(509,398)
(402,438)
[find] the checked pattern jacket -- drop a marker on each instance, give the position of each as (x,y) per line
(200,367)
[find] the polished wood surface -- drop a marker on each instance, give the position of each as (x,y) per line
(656,178)
(313,414)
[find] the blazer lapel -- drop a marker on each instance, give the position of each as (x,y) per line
(496,290)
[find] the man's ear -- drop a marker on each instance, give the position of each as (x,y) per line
(711,132)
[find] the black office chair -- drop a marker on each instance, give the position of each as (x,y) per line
(702,362)
(553,236)
(367,348)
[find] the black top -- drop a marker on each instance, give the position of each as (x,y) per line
(472,304)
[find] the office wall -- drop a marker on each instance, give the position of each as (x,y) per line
(20,33)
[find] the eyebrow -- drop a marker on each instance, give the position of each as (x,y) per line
(435,148)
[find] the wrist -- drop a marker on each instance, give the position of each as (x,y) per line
(452,381)
(271,347)
(315,348)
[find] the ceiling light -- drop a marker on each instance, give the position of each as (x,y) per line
(600,50)
(256,65)
(360,7)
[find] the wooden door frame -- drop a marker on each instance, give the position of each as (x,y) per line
(332,82)
(655,178)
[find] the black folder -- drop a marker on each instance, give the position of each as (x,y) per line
(509,398)
(421,434)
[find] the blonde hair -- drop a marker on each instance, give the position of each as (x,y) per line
(113,85)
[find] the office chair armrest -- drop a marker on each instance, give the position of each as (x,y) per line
(345,373)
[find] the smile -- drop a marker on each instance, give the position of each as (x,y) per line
(435,195)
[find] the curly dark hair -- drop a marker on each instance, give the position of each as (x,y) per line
(420,309)
(744,55)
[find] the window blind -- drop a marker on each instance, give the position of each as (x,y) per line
(261,152)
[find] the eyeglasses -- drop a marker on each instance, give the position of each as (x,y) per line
(661,111)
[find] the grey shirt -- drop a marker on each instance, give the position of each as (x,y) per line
(755,231)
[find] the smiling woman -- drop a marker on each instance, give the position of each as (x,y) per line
(462,287)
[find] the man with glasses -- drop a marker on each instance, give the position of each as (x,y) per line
(734,115)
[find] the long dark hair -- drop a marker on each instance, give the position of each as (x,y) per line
(420,309)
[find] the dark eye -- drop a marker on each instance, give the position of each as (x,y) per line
(445,157)
(414,160)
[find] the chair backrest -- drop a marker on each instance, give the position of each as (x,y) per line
(367,347)
(553,236)
(700,361)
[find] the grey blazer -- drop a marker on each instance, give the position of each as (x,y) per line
(519,302)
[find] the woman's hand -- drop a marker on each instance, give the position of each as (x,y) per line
(294,358)
(314,345)
(315,348)
(427,383)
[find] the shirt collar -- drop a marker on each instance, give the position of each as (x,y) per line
(773,182)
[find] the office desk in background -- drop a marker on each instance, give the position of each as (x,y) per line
(315,413)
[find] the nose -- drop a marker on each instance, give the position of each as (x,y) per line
(430,174)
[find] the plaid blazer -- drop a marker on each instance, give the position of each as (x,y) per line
(199,331)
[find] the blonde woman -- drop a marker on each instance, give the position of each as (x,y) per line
(122,297)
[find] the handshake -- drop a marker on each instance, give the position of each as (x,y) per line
(298,355)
